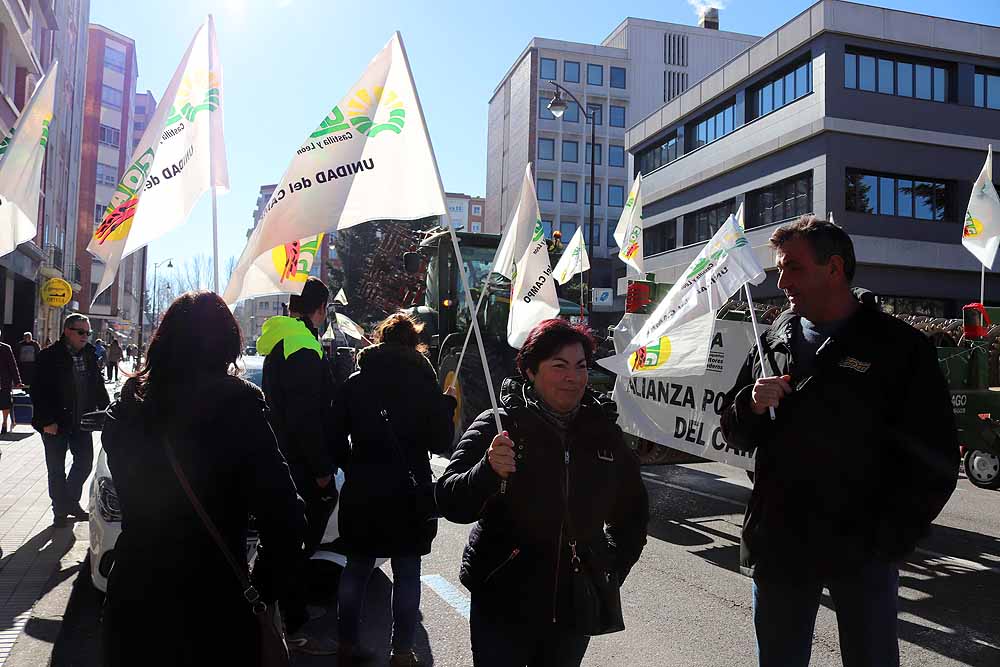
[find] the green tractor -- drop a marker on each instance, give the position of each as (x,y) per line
(441,307)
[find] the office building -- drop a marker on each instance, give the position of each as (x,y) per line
(145,107)
(466,212)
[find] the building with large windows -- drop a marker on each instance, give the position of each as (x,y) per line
(639,66)
(880,118)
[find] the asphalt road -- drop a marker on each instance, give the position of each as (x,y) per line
(686,603)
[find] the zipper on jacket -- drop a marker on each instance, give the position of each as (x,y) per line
(505,563)
(555,585)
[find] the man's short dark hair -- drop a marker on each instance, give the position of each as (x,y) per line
(314,295)
(73,319)
(825,238)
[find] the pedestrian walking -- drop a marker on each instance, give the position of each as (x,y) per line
(394,414)
(299,391)
(9,379)
(101,352)
(855,392)
(68,385)
(560,510)
(115,355)
(27,354)
(173,599)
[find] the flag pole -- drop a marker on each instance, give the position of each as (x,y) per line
(211,167)
(468,334)
(756,336)
(454,243)
(982,284)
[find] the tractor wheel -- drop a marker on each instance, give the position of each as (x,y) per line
(982,468)
(473,398)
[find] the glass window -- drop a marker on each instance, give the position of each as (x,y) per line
(980,90)
(477,209)
(109,135)
(111,97)
(571,71)
(546,149)
(904,198)
(789,86)
(868,194)
(616,195)
(611,236)
(904,79)
(107,174)
(940,84)
(720,124)
(885,72)
(597,194)
(993,91)
(567,229)
(923,199)
(729,125)
(547,225)
(595,75)
(572,113)
(802,200)
(114,59)
(803,84)
(617,116)
(543,109)
(779,93)
(866,73)
(710,129)
(886,196)
(567,192)
(940,203)
(617,77)
(570,151)
(766,100)
(596,113)
(616,156)
(850,70)
(596,151)
(700,136)
(545,189)
(547,69)
(923,81)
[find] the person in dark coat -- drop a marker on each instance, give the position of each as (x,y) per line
(855,392)
(27,354)
(115,355)
(68,385)
(173,600)
(558,478)
(394,413)
(9,379)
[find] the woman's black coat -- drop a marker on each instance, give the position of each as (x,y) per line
(377,513)
(172,598)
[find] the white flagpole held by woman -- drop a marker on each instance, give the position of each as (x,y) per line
(468,334)
(211,162)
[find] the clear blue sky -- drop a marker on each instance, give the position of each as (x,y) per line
(286,62)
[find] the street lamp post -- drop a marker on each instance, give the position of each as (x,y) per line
(557,105)
(156,294)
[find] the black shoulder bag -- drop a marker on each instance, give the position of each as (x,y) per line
(422,495)
(597,601)
(272,651)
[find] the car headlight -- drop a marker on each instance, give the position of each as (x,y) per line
(107,500)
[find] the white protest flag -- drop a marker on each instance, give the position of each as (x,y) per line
(23,152)
(675,339)
(574,259)
(523,257)
(181,155)
(981,234)
(350,327)
(341,298)
(369,159)
(628,233)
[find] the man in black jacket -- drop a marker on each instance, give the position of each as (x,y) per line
(855,392)
(299,391)
(67,386)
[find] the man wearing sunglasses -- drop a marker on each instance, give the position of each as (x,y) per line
(68,385)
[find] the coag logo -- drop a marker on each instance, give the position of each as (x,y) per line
(722,247)
(370,114)
(293,261)
(649,357)
(6,142)
(539,232)
(631,201)
(45,131)
(632,244)
(972,226)
(199,91)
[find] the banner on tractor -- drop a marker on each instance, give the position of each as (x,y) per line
(685,412)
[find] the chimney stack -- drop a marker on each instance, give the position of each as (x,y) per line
(709,19)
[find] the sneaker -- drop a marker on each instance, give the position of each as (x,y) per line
(354,654)
(78,512)
(302,643)
(404,659)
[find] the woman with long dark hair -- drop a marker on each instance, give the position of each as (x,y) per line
(173,598)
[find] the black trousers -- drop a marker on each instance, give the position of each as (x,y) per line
(65,490)
(501,642)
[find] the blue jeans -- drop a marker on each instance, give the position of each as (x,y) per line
(784,616)
(65,490)
(405,599)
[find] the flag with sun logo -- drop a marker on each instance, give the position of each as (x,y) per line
(23,153)
(981,233)
(370,158)
(181,155)
(628,233)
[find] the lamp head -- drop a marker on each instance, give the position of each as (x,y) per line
(557,105)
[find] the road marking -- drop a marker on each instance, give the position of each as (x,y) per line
(652,478)
(458,600)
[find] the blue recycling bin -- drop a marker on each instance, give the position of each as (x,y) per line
(23,409)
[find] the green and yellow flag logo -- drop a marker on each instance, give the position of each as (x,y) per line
(650,357)
(972,228)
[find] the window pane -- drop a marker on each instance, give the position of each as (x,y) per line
(616,195)
(572,113)
(595,75)
(923,199)
(547,224)
(617,77)
(866,73)
(802,203)
(570,151)
(611,236)
(546,149)
(886,196)
(940,204)
(789,201)
(567,229)
(547,68)
(924,82)
(597,194)
(802,83)
(594,111)
(904,198)
(779,93)
(766,100)
(543,109)
(616,156)
(567,192)
(700,135)
(850,70)
(571,71)
(885,70)
(729,120)
(617,116)
(868,194)
(904,79)
(980,90)
(710,129)
(720,124)
(940,84)
(789,86)
(596,153)
(545,189)
(993,92)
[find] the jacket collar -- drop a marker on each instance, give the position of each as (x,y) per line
(514,395)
